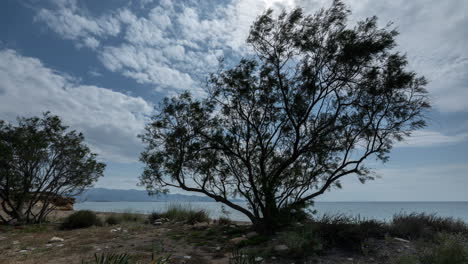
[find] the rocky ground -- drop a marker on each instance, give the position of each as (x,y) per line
(200,243)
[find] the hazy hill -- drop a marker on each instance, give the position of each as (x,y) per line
(114,195)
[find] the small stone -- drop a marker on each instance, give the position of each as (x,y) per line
(218,248)
(350,259)
(157,222)
(59,245)
(258,259)
(56,239)
(237,240)
(251,234)
(23,251)
(281,248)
(48,245)
(401,240)
(187,257)
(273,257)
(15,242)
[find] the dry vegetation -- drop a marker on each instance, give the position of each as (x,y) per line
(190,237)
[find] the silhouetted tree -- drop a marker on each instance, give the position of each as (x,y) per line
(41,161)
(282,127)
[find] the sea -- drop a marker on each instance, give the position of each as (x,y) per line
(383,211)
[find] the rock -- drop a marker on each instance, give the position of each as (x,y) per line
(56,239)
(157,222)
(59,245)
(16,242)
(23,251)
(281,248)
(237,240)
(251,234)
(2,238)
(258,259)
(350,259)
(218,248)
(401,240)
(118,229)
(187,257)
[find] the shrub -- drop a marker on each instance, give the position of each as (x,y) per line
(341,231)
(153,217)
(426,226)
(449,249)
(113,220)
(131,217)
(179,212)
(240,257)
(302,242)
(109,258)
(81,219)
(224,221)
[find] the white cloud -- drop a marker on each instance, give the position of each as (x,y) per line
(430,34)
(425,138)
(109,120)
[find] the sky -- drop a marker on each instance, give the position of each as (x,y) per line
(104,66)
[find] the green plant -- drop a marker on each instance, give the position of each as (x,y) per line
(426,226)
(81,219)
(224,221)
(180,212)
(129,216)
(240,257)
(302,241)
(449,249)
(109,258)
(113,220)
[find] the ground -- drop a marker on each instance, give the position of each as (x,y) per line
(200,243)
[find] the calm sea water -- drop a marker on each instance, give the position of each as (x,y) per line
(375,210)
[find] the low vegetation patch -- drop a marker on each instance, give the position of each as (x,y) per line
(81,219)
(185,213)
(425,226)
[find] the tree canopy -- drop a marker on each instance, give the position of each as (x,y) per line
(40,160)
(315,100)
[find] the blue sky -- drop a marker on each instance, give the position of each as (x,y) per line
(104,65)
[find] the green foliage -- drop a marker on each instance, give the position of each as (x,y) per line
(109,258)
(425,226)
(185,213)
(316,99)
(302,241)
(41,163)
(81,219)
(240,257)
(224,221)
(341,231)
(113,220)
(449,249)
(131,217)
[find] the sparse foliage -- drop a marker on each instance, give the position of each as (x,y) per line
(316,101)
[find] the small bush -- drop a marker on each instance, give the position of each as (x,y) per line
(425,226)
(131,217)
(153,217)
(224,221)
(240,257)
(341,231)
(113,220)
(109,258)
(81,219)
(302,242)
(449,249)
(178,212)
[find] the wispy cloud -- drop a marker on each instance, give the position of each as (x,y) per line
(110,120)
(425,138)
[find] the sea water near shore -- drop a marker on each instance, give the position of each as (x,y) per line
(374,210)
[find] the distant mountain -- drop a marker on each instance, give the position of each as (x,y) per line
(114,195)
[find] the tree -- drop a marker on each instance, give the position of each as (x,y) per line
(315,101)
(40,160)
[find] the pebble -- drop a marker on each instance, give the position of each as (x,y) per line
(281,248)
(56,239)
(258,259)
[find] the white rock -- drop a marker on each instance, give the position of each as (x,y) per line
(401,240)
(59,245)
(187,257)
(281,248)
(251,234)
(23,251)
(258,259)
(56,239)
(218,248)
(237,240)
(15,242)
